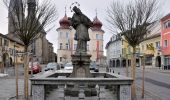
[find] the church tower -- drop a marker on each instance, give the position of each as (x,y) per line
(65,39)
(12,19)
(31,7)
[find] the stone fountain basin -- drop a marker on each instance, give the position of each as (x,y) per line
(99,77)
(42,84)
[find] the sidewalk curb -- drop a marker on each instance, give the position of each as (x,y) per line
(163,72)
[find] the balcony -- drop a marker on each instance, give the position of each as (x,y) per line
(101,86)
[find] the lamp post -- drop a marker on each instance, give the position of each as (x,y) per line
(16,74)
(127,72)
(31,64)
(14,58)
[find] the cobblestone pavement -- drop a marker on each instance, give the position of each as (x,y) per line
(157,81)
(8,83)
(7,88)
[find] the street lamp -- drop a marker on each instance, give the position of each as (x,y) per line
(16,71)
(14,57)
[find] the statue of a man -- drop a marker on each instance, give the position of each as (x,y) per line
(81,23)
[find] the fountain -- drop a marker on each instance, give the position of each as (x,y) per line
(81,83)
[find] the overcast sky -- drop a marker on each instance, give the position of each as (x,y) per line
(87,7)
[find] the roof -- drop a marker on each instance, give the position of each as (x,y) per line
(97,29)
(97,24)
(64,22)
(165,16)
(153,36)
(112,41)
(11,39)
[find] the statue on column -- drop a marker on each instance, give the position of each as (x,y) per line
(81,23)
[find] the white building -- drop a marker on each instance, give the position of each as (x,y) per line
(67,45)
(114,51)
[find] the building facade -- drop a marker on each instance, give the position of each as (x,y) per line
(165,39)
(114,51)
(150,48)
(8,52)
(67,45)
(117,52)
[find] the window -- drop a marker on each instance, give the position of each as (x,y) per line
(67,47)
(157,44)
(97,36)
(60,35)
(167,24)
(33,47)
(165,43)
(61,46)
(60,59)
(67,35)
(75,46)
(6,42)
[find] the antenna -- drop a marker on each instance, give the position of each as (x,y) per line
(96,11)
(65,9)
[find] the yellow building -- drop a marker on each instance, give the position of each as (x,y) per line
(150,48)
(7,48)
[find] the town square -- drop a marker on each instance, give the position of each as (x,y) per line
(85,50)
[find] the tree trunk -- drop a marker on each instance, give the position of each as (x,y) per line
(26,56)
(133,73)
(2,66)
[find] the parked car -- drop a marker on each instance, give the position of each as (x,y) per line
(36,68)
(68,66)
(61,65)
(52,66)
(94,66)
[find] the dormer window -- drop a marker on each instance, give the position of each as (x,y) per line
(167,24)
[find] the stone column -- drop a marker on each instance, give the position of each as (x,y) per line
(38,92)
(162,61)
(81,93)
(81,65)
(125,92)
(61,91)
(101,92)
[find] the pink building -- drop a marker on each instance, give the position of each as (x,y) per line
(165,38)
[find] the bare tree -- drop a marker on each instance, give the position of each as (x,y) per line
(29,18)
(133,21)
